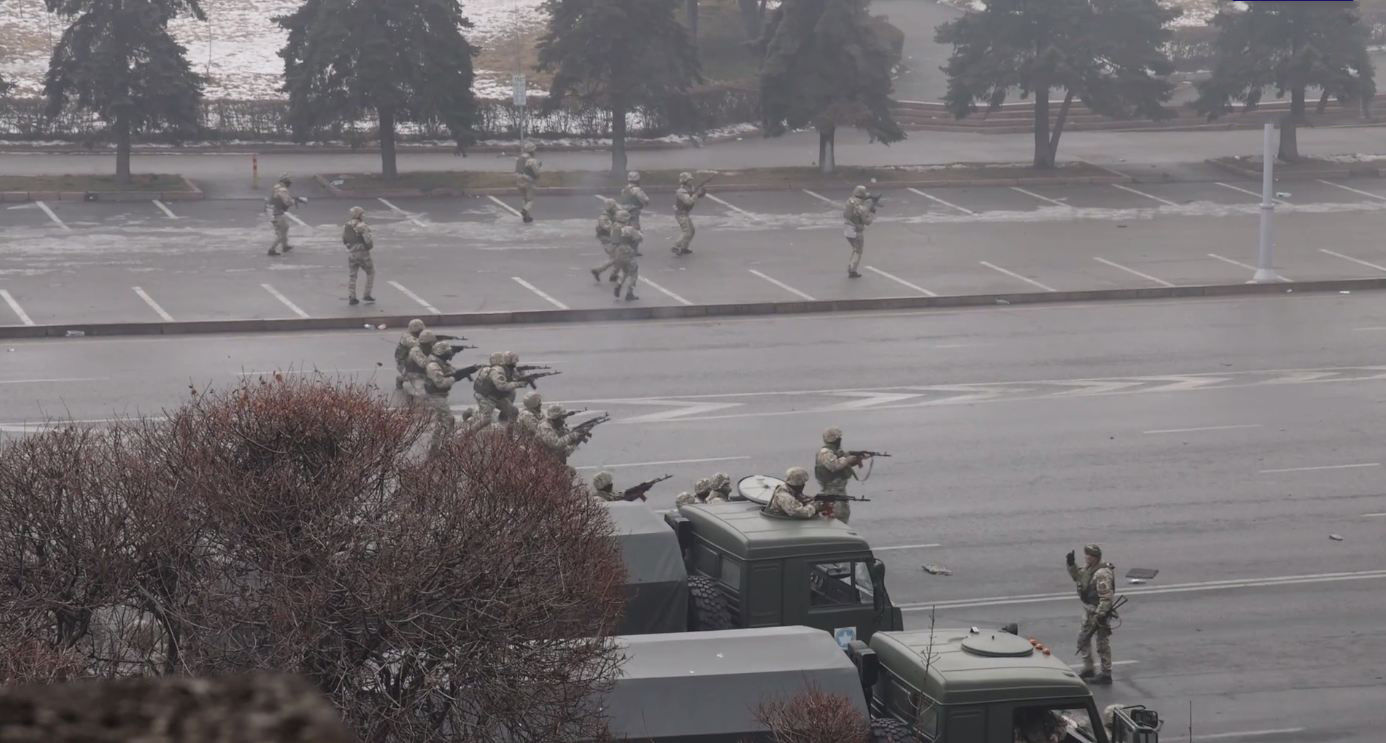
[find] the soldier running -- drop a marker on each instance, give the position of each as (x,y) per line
(627,250)
(685,198)
(608,233)
(359,241)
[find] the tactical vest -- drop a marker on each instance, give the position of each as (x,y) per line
(1088,591)
(827,477)
(402,349)
(849,212)
(678,202)
(520,165)
(483,385)
(350,237)
(630,201)
(429,386)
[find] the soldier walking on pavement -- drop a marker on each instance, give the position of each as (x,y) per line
(789,500)
(627,250)
(281,201)
(608,233)
(833,468)
(407,342)
(633,198)
(857,214)
(526,176)
(685,198)
(1096,583)
(359,241)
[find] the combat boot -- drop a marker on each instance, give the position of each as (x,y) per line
(613,277)
(368,299)
(353,301)
(597,275)
(616,292)
(1087,673)
(1103,679)
(630,296)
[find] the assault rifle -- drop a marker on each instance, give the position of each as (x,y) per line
(451,338)
(703,184)
(875,199)
(466,372)
(532,367)
(867,453)
(572,413)
(452,349)
(828,498)
(584,428)
(1091,627)
(529,379)
(639,491)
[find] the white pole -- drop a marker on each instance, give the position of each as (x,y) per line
(1264,272)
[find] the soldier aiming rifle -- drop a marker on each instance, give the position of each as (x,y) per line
(585,428)
(639,491)
(529,379)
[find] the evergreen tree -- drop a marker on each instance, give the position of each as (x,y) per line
(403,60)
(1109,53)
(1292,46)
(617,55)
(824,65)
(117,59)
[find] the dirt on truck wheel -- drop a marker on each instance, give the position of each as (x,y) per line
(707,605)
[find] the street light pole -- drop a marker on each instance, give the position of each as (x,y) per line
(1265,274)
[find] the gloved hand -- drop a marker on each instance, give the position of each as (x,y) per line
(1070,560)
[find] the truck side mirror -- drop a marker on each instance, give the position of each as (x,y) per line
(878,595)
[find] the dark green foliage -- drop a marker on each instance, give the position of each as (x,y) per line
(617,55)
(117,59)
(1290,46)
(404,60)
(824,64)
(1109,53)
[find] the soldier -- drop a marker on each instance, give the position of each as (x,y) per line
(495,387)
(407,343)
(833,468)
(554,433)
(857,215)
(438,381)
(789,499)
(281,201)
(533,413)
(627,248)
(633,198)
(721,488)
(701,489)
(603,487)
(526,175)
(416,365)
(1096,582)
(608,235)
(356,235)
(684,200)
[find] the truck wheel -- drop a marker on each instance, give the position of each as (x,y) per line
(707,607)
(891,730)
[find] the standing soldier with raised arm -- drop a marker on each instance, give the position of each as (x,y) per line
(627,252)
(280,202)
(684,200)
(526,176)
(356,235)
(832,467)
(633,198)
(1096,584)
(857,214)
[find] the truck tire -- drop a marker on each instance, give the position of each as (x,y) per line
(707,607)
(891,730)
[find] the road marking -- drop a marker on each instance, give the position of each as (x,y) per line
(18,311)
(1015,275)
(1247,266)
(53,380)
(666,292)
(398,210)
(968,212)
(733,207)
(541,294)
(52,216)
(666,461)
(781,285)
(1358,261)
(1320,468)
(819,196)
(508,207)
(1152,197)
(1373,515)
(1032,194)
(1248,192)
(1203,428)
(1354,190)
(1131,271)
(1212,585)
(1241,734)
(906,547)
(405,291)
(164,208)
(899,280)
(300,222)
(275,293)
(152,304)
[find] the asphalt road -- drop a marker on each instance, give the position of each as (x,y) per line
(76,262)
(1219,441)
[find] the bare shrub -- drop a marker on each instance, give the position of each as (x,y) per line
(814,716)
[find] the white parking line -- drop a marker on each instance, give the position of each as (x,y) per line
(1358,261)
(1131,271)
(405,291)
(51,215)
(1248,267)
(508,207)
(1373,515)
(1152,197)
(781,284)
(1354,190)
(1320,468)
(819,196)
(666,461)
(666,292)
(732,207)
(152,304)
(164,208)
(401,212)
(541,294)
(18,311)
(300,222)
(1032,194)
(1247,191)
(1239,734)
(906,547)
(275,293)
(950,205)
(899,280)
(1015,275)
(1203,428)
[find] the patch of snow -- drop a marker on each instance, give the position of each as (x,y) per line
(1358,157)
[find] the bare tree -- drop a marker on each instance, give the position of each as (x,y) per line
(814,716)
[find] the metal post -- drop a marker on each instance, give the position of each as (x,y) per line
(1265,274)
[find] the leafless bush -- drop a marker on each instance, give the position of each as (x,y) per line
(463,594)
(814,716)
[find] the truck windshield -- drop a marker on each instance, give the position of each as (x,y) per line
(1054,724)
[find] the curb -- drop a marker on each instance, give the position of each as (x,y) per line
(1281,174)
(677,312)
(190,192)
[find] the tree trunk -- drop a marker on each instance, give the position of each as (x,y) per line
(750,17)
(692,6)
(827,160)
(618,138)
(122,138)
(387,142)
(1289,135)
(1044,159)
(1059,128)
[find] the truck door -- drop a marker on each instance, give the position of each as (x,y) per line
(840,595)
(763,594)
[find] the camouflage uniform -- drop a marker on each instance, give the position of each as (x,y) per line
(554,433)
(416,366)
(633,198)
(407,342)
(721,489)
(701,489)
(532,415)
(857,214)
(359,241)
(684,200)
(603,488)
(281,201)
(608,234)
(438,383)
(786,499)
(832,467)
(1096,588)
(526,175)
(494,388)
(626,261)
